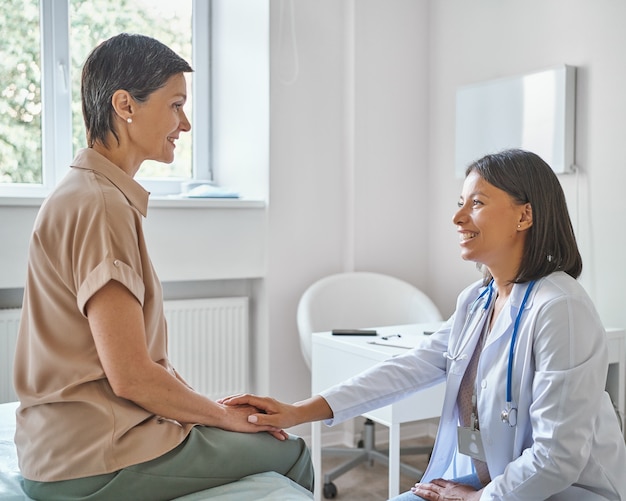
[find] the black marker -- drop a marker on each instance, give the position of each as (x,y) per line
(353,332)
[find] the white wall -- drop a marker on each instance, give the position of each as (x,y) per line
(408,59)
(483,39)
(347,156)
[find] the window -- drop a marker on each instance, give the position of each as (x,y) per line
(43,46)
(20,94)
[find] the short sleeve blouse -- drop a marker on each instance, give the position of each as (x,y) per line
(70,424)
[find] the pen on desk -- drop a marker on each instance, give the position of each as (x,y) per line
(390,336)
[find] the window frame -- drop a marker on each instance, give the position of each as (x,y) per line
(56,96)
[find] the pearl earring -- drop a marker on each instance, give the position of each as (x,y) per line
(519,225)
(129,120)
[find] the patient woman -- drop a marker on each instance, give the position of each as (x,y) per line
(103,414)
(524,357)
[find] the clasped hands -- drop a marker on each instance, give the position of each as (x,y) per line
(271,415)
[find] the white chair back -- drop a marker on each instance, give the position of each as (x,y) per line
(357,300)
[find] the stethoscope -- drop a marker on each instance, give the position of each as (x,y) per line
(509,413)
(460,355)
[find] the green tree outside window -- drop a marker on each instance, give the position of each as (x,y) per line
(91,21)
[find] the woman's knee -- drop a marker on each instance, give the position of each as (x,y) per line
(301,471)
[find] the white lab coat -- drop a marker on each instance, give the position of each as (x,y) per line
(567,442)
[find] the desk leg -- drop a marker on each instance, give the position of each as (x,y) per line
(621,384)
(316,454)
(394,460)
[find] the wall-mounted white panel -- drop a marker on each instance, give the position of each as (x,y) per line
(535,112)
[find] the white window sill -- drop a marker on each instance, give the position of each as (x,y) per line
(156,201)
(193,203)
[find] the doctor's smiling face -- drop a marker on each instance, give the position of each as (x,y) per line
(492,226)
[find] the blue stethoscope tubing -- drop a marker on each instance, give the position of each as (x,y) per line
(509,414)
(509,373)
(488,291)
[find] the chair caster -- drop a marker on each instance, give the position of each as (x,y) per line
(330,491)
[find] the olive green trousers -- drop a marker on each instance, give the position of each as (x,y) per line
(207,458)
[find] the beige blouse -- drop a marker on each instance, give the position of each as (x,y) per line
(70,424)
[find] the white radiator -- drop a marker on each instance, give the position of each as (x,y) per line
(208,345)
(9,321)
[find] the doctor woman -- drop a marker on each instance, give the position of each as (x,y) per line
(524,357)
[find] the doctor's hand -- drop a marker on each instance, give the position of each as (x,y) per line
(279,414)
(235,418)
(445,490)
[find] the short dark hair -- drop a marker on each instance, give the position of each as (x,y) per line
(550,244)
(136,63)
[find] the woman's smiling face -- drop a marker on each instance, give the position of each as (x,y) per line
(159,121)
(489,223)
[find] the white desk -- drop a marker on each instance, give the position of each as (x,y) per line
(336,358)
(616,378)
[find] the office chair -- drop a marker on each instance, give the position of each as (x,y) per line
(357,300)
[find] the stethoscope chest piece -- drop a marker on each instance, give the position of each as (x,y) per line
(509,415)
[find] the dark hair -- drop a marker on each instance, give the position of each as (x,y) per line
(135,63)
(550,243)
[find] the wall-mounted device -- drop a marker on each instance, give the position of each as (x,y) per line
(535,112)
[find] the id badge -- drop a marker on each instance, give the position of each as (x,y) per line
(470,443)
